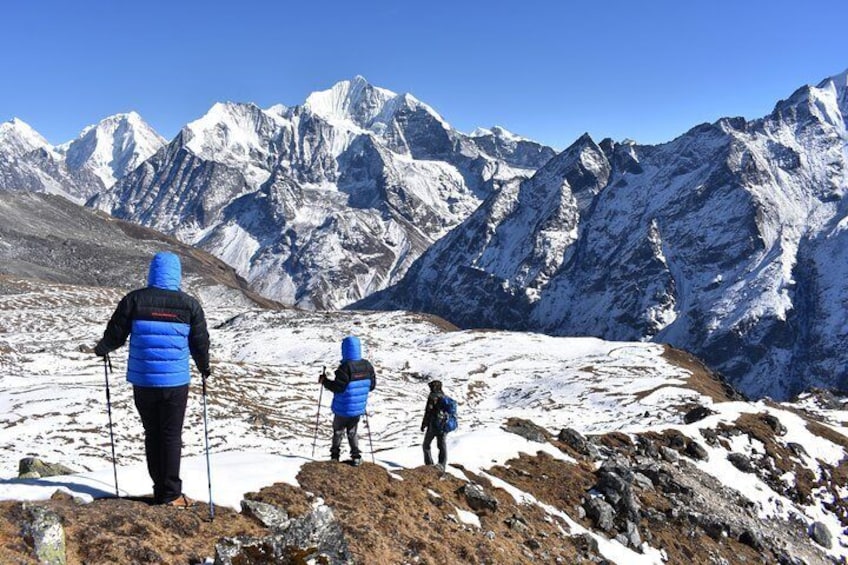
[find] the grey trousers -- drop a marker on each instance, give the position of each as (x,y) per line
(345,425)
(440,442)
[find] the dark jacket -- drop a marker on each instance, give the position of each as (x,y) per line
(354,380)
(432,408)
(166,325)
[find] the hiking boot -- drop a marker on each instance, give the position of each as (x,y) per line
(356,461)
(182,501)
(334,459)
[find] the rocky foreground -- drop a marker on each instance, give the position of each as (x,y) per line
(646,491)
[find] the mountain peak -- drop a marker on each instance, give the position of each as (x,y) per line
(353,100)
(499,132)
(18,137)
(113,146)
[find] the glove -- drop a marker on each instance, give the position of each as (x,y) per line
(423,427)
(321,378)
(88,349)
(206,373)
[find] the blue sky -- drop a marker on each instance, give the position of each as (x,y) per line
(546,70)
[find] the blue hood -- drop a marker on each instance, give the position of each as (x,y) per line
(165,271)
(351,349)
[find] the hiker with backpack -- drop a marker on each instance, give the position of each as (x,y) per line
(355,379)
(167,326)
(439,420)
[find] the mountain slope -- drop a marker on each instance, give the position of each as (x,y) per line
(320,204)
(726,242)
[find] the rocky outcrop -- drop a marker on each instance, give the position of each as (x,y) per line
(44,533)
(315,537)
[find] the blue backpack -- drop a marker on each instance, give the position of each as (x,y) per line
(446,415)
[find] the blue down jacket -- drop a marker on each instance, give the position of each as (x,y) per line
(166,327)
(355,378)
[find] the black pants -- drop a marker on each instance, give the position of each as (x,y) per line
(162,411)
(440,443)
(345,425)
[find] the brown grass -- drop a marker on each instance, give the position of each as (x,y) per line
(391,521)
(702,379)
(125,531)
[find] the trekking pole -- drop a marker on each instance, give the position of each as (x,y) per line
(320,394)
(371,443)
(107,368)
(208,466)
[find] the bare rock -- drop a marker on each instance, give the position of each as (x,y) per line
(272,517)
(34,468)
(696,414)
(697,451)
(478,499)
(43,531)
(777,427)
(821,535)
(601,513)
(526,429)
(669,454)
(315,537)
(741,462)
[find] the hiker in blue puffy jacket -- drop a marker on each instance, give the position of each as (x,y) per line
(166,326)
(355,378)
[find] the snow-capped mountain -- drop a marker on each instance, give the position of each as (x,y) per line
(77,169)
(29,163)
(728,241)
(324,203)
(113,147)
(17,138)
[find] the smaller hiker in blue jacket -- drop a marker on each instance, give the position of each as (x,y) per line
(355,378)
(166,326)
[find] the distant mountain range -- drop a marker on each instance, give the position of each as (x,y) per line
(322,204)
(729,241)
(79,168)
(726,241)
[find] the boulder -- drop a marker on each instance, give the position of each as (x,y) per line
(526,429)
(43,531)
(631,534)
(821,535)
(272,517)
(601,513)
(776,426)
(741,462)
(517,523)
(478,499)
(34,468)
(578,443)
(697,451)
(797,449)
(696,414)
(669,454)
(314,537)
